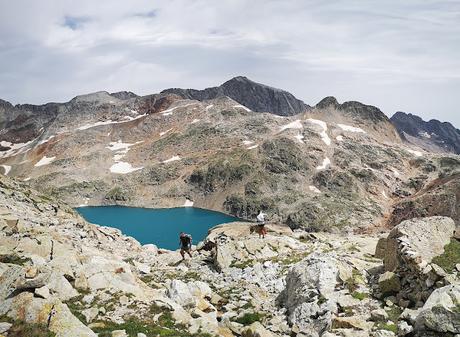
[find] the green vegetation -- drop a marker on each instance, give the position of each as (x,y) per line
(21,329)
(249,318)
(222,172)
(291,259)
(247,207)
(14,259)
(388,326)
(354,281)
(153,280)
(359,296)
(75,306)
(117,194)
(450,257)
(353,248)
(164,326)
(242,264)
(457,309)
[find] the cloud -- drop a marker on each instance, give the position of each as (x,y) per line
(392,54)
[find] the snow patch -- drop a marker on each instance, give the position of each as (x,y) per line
(248,142)
(323,133)
(44,161)
(209,107)
(15,149)
(242,107)
(314,189)
(349,128)
(395,172)
(325,164)
(300,138)
(121,149)
(194,121)
(6,168)
(253,147)
(164,132)
(120,146)
(415,153)
(385,195)
(85,204)
(26,179)
(123,168)
(169,112)
(46,140)
(188,203)
(173,158)
(339,138)
(108,122)
(424,134)
(297,124)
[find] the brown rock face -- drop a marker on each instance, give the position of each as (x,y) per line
(440,198)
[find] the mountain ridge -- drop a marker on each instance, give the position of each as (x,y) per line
(164,150)
(433,135)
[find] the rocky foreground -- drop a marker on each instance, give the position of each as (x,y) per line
(60,276)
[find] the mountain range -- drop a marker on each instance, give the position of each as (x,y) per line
(237,148)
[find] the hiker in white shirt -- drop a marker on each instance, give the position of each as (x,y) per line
(261,224)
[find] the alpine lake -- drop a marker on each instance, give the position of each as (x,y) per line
(160,227)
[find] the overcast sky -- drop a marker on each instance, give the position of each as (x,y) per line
(397,55)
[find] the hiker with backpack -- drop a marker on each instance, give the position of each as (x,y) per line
(185,244)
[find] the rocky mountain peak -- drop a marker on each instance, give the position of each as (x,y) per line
(255,96)
(327,102)
(123,95)
(95,97)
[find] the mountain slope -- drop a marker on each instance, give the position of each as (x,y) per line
(333,166)
(369,117)
(432,135)
(255,96)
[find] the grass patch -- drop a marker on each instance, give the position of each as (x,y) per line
(243,264)
(164,327)
(394,313)
(14,259)
(249,318)
(450,257)
(22,329)
(290,259)
(359,296)
(457,309)
(354,281)
(388,326)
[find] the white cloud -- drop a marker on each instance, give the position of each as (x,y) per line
(392,54)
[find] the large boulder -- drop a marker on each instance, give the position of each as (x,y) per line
(441,312)
(179,292)
(409,253)
(417,241)
(307,297)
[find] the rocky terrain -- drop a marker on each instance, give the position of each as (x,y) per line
(60,276)
(329,167)
(434,136)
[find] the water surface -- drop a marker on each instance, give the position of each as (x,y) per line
(158,226)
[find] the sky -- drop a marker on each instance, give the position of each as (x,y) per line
(396,55)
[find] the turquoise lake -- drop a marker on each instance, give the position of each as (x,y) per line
(158,226)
